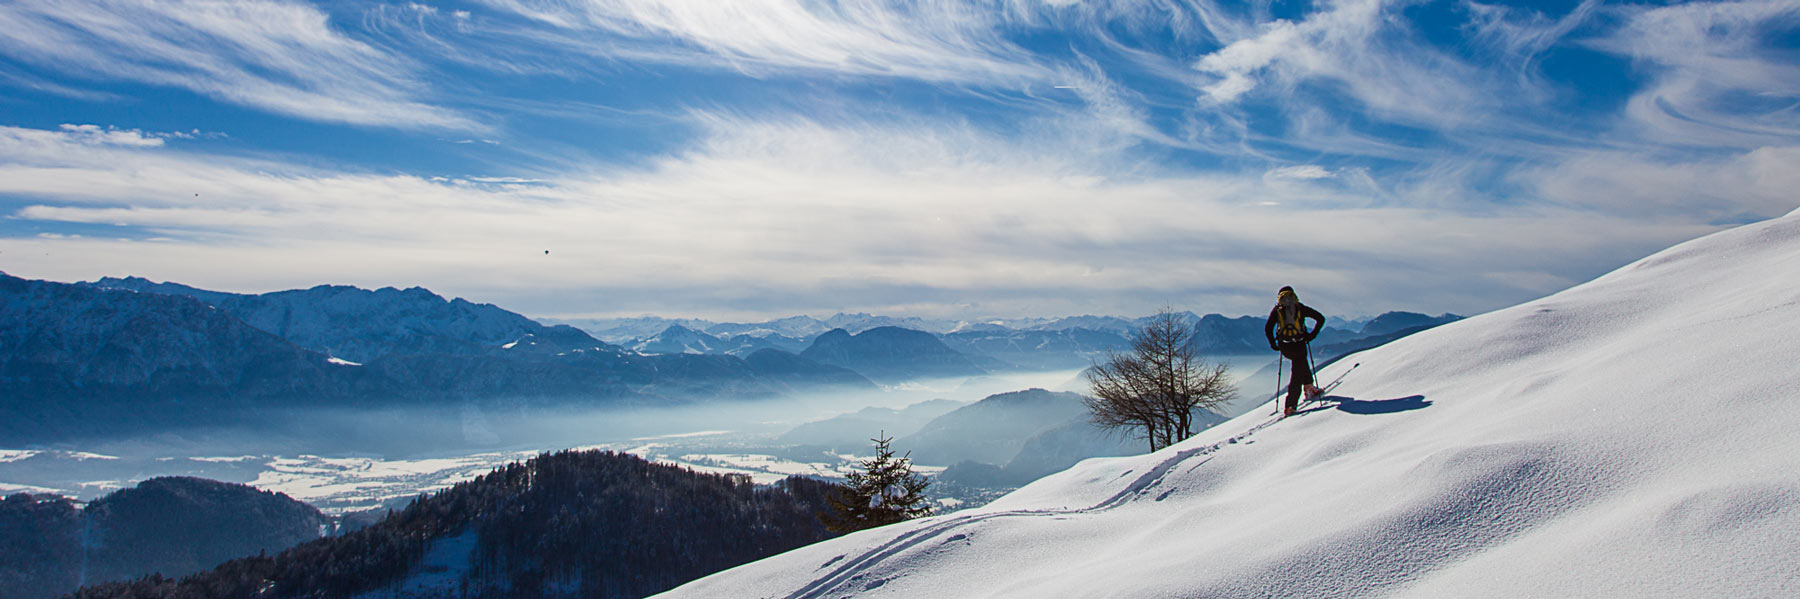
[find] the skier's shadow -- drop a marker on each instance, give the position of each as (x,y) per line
(1351,405)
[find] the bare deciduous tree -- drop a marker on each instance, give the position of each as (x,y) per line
(1156,387)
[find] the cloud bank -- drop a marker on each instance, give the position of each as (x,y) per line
(947,223)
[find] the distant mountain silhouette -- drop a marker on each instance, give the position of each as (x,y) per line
(628,331)
(1037,349)
(76,358)
(991,430)
(892,354)
(1215,334)
(1106,324)
(678,339)
(1392,322)
(853,432)
(1328,353)
(797,370)
(361,325)
(1011,439)
(1057,448)
(996,345)
(102,359)
(174,526)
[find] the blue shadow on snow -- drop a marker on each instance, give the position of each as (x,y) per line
(1352,405)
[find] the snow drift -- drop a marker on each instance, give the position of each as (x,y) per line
(1635,436)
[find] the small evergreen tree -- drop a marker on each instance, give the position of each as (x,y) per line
(884,491)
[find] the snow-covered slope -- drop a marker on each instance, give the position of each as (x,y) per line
(1636,436)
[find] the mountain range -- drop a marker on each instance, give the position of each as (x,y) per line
(126,354)
(1029,344)
(679,339)
(992,430)
(624,331)
(853,432)
(892,354)
(360,325)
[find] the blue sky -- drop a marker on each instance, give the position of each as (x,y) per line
(761,158)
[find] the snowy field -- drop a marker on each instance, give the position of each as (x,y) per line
(339,485)
(1630,437)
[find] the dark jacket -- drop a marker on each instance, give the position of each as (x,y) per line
(1305,313)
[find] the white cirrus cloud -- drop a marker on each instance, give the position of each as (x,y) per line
(1716,78)
(95,134)
(274,55)
(796,216)
(1304,171)
(1363,49)
(1235,64)
(932,40)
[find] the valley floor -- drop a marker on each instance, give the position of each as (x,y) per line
(370,462)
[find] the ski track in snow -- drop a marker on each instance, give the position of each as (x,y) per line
(853,571)
(1497,499)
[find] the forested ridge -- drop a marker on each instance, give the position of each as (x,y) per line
(573,523)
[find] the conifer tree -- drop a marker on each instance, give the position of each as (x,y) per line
(884,491)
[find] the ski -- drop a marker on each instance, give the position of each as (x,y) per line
(1326,390)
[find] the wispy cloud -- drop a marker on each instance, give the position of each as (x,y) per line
(806,217)
(1521,34)
(95,134)
(1725,190)
(1717,81)
(1359,47)
(280,56)
(1304,171)
(932,40)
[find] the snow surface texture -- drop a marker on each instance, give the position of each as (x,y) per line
(1634,436)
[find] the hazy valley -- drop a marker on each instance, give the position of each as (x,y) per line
(355,402)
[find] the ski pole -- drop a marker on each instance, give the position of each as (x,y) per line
(1315,370)
(1279,362)
(1310,363)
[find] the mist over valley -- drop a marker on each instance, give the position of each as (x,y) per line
(358,403)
